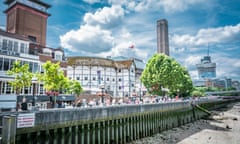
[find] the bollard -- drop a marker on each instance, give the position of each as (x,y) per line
(9,129)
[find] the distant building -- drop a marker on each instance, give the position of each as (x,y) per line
(206,69)
(162,37)
(236,84)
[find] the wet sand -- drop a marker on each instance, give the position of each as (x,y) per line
(221,128)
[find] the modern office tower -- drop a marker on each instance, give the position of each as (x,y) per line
(206,69)
(162,37)
(28,18)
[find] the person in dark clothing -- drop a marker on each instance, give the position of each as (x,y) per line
(24,104)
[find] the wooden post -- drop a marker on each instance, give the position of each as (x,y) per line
(9,129)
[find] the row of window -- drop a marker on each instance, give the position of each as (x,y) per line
(15,46)
(6,88)
(6,64)
(95,79)
(7,46)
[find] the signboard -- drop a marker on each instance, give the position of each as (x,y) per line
(25,120)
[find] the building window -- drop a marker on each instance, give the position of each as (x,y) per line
(78,78)
(113,79)
(8,89)
(58,57)
(10,45)
(22,48)
(6,65)
(1,64)
(35,67)
(107,79)
(85,78)
(32,38)
(4,44)
(119,87)
(119,70)
(41,91)
(119,79)
(15,47)
(94,78)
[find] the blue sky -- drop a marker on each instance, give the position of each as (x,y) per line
(107,28)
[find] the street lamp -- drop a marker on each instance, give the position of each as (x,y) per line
(102,87)
(34,80)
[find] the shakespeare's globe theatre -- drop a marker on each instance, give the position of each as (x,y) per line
(117,77)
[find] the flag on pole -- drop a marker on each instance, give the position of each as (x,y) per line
(131,46)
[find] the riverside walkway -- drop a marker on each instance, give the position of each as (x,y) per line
(112,124)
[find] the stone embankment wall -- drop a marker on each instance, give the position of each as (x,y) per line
(114,124)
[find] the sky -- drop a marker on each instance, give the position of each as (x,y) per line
(108,27)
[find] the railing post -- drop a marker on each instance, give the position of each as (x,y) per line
(9,129)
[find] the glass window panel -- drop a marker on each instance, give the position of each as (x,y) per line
(1,63)
(4,44)
(22,48)
(30,66)
(10,45)
(11,63)
(6,66)
(15,47)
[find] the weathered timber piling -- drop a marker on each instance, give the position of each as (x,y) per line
(107,125)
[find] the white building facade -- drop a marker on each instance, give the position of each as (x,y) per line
(13,48)
(117,78)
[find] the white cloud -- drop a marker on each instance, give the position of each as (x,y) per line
(106,17)
(87,38)
(192,60)
(174,6)
(95,35)
(204,36)
(169,6)
(91,1)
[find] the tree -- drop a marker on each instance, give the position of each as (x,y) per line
(53,77)
(198,92)
(75,87)
(55,81)
(22,76)
(164,72)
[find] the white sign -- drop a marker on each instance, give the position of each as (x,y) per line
(25,120)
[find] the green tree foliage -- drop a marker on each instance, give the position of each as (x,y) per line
(198,92)
(22,76)
(53,77)
(164,72)
(55,80)
(75,87)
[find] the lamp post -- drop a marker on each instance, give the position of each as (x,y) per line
(102,87)
(34,92)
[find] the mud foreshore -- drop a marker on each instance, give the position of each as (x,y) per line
(221,128)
